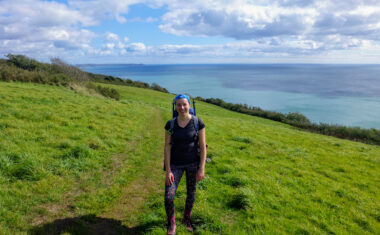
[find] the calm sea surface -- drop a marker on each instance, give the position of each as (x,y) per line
(336,94)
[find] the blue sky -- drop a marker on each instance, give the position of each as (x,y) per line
(197,31)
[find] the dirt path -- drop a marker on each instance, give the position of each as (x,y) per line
(149,181)
(121,217)
(135,194)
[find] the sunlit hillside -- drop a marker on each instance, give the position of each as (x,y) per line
(82,163)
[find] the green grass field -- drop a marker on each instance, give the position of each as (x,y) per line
(75,163)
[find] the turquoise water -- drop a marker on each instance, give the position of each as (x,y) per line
(335,94)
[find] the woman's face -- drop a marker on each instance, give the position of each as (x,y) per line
(182,106)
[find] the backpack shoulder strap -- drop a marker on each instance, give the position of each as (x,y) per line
(172,123)
(171,130)
(196,124)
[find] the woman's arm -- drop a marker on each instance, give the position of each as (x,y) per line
(169,175)
(202,146)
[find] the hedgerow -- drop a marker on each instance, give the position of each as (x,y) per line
(369,136)
(23,69)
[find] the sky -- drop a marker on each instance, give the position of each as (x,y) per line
(192,32)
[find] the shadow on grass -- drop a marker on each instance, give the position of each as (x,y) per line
(89,224)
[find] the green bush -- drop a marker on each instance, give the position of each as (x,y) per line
(23,62)
(124,82)
(296,117)
(105,91)
(108,92)
(22,69)
(76,75)
(157,87)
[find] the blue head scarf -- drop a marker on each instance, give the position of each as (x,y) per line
(181,96)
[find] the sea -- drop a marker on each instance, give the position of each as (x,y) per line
(325,93)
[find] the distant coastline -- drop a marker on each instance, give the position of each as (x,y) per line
(335,94)
(92,65)
(327,64)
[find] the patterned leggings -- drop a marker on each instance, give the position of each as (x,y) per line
(170,190)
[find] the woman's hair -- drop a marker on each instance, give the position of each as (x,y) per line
(181,96)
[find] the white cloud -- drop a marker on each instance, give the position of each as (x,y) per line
(120,45)
(322,24)
(246,20)
(178,49)
(136,47)
(259,28)
(101,9)
(42,28)
(114,45)
(112,37)
(109,46)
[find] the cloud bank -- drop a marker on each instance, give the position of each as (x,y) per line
(278,28)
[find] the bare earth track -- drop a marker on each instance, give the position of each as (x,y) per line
(120,217)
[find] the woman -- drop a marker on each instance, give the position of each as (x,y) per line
(182,155)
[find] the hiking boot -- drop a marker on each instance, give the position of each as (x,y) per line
(171,228)
(188,224)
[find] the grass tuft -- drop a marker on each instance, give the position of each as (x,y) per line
(240,200)
(242,139)
(81,151)
(235,181)
(20,167)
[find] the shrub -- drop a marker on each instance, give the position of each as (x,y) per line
(105,91)
(157,87)
(296,117)
(108,92)
(23,62)
(77,75)
(5,74)
(125,82)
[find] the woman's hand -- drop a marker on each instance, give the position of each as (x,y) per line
(200,174)
(169,178)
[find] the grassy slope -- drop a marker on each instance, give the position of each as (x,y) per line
(265,177)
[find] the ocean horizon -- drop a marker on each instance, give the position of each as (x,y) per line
(343,94)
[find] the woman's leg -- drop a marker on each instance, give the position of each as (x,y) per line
(170,191)
(191,173)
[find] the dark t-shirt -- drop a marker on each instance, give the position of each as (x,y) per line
(184,149)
